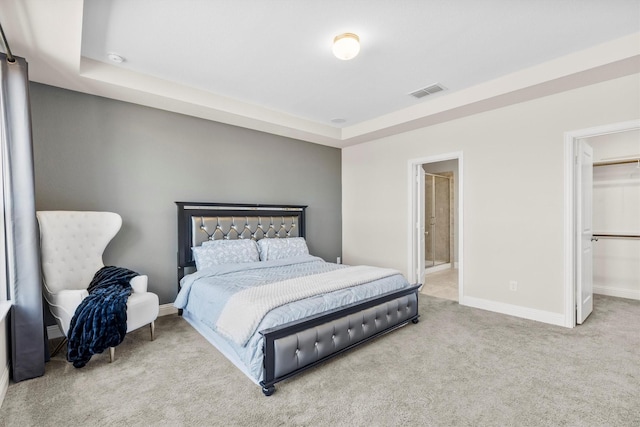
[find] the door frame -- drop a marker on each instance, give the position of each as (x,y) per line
(413,251)
(570,209)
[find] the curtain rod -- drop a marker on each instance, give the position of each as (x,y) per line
(10,57)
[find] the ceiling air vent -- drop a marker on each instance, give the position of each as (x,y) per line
(429,90)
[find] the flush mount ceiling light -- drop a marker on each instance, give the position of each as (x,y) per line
(115,58)
(346,46)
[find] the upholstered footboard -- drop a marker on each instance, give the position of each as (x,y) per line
(295,347)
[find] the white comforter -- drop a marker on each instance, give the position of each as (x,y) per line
(256,302)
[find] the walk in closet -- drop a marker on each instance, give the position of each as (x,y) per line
(616,214)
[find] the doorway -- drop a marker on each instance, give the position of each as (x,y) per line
(436,225)
(438,220)
(616,214)
(577,287)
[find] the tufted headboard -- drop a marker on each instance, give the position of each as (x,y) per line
(198,222)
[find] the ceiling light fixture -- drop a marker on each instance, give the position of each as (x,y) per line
(115,58)
(346,46)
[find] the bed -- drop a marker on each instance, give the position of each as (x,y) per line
(276,310)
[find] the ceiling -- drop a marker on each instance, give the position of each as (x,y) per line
(267,65)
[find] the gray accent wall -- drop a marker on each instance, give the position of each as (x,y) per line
(94,153)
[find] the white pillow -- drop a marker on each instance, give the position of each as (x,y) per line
(279,248)
(217,252)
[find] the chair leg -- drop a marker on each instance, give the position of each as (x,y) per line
(112,354)
(153,330)
(59,346)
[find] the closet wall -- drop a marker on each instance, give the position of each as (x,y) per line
(616,209)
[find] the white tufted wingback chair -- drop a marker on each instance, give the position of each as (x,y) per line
(71,244)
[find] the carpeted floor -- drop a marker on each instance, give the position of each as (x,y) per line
(458,367)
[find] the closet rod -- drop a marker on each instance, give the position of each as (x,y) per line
(616,236)
(616,162)
(438,176)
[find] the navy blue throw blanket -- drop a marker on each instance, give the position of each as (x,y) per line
(100,321)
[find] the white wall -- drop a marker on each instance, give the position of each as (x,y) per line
(513,172)
(616,145)
(616,209)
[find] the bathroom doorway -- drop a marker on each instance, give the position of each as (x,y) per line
(440,266)
(438,220)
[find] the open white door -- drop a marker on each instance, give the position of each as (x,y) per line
(584,231)
(420,226)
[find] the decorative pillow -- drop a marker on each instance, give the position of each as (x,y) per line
(279,248)
(216,252)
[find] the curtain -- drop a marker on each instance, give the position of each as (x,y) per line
(20,225)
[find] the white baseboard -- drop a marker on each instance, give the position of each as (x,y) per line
(54,331)
(4,382)
(617,292)
(167,309)
(515,310)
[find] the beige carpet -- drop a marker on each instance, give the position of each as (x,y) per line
(457,367)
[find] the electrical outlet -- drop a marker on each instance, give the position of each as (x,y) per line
(338,260)
(513,285)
